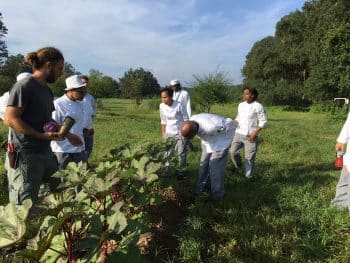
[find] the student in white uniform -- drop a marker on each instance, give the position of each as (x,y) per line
(89,113)
(216,135)
(172,115)
(69,105)
(251,119)
(342,195)
(181,96)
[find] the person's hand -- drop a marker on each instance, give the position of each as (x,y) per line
(340,147)
(252,136)
(74,139)
(51,136)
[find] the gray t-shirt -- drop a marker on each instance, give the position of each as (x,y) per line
(37,104)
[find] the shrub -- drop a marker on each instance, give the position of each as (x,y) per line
(153,103)
(99,104)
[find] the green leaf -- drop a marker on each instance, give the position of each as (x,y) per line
(96,185)
(140,165)
(151,178)
(12,222)
(35,242)
(51,255)
(47,237)
(116,220)
(153,167)
(129,173)
(81,196)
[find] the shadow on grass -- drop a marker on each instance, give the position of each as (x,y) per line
(299,173)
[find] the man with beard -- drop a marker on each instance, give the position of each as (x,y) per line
(29,107)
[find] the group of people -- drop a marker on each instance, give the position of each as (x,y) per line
(35,153)
(218,135)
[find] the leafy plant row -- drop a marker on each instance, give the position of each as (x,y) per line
(96,214)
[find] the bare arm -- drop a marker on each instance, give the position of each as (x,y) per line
(74,139)
(262,120)
(163,129)
(13,119)
(254,134)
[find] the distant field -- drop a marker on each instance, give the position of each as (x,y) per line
(281,216)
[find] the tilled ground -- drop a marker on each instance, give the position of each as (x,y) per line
(160,244)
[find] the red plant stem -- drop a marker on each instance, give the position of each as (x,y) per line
(69,241)
(115,195)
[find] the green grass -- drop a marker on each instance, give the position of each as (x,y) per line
(283,215)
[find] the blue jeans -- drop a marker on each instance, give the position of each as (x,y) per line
(213,165)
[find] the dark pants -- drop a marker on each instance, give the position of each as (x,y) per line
(89,142)
(33,169)
(65,158)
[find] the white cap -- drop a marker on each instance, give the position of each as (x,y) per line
(174,82)
(74,82)
(23,75)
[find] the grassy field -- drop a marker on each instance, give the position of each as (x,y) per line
(282,215)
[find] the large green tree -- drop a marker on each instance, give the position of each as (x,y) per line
(102,86)
(327,22)
(60,84)
(3,47)
(290,36)
(9,70)
(14,65)
(307,60)
(210,89)
(137,84)
(262,69)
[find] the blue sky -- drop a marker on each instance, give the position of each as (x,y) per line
(173,39)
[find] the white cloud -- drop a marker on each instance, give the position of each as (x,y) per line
(170,38)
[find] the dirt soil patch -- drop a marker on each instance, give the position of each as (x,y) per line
(161,244)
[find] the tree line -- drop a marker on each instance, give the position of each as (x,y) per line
(307,60)
(134,82)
